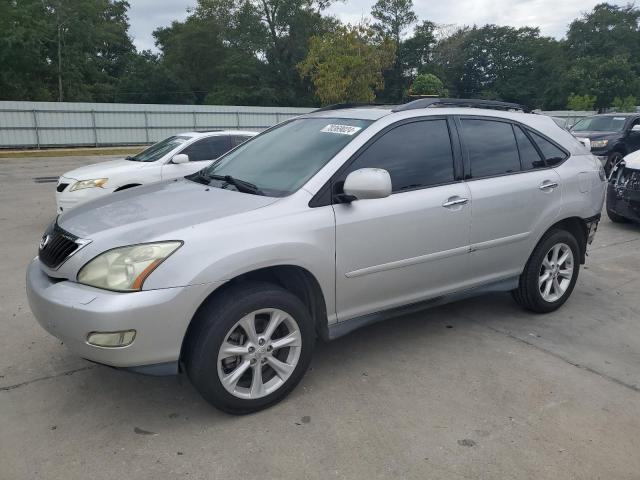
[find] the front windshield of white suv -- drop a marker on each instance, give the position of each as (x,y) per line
(279,161)
(160,149)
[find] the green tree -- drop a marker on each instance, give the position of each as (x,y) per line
(428,84)
(393,18)
(496,62)
(626,104)
(604,48)
(581,102)
(348,64)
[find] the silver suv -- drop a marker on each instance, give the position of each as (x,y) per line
(316,227)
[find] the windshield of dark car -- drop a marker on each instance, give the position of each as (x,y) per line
(281,160)
(600,124)
(160,149)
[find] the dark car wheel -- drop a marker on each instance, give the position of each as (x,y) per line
(250,346)
(550,274)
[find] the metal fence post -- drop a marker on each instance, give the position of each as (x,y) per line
(195,121)
(35,125)
(95,129)
(146,126)
(238,119)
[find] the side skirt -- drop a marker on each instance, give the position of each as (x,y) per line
(340,329)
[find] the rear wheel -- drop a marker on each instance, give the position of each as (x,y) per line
(550,274)
(250,347)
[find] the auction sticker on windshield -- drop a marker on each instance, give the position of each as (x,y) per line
(341,129)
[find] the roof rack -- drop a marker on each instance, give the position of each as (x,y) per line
(461,102)
(342,106)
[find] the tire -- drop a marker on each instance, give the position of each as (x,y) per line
(531,293)
(228,318)
(615,218)
(612,161)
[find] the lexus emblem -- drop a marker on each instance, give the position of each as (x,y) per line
(45,241)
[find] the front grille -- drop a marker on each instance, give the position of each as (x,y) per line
(62,186)
(629,179)
(56,246)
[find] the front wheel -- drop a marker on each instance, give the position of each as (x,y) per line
(550,274)
(250,347)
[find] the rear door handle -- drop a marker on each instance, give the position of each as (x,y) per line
(548,185)
(454,201)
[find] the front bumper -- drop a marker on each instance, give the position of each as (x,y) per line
(70,311)
(625,202)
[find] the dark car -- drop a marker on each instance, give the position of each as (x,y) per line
(623,191)
(612,136)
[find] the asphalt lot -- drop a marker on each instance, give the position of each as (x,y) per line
(476,389)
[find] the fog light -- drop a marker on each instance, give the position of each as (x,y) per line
(111,339)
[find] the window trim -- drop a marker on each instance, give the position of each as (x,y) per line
(525,128)
(326,196)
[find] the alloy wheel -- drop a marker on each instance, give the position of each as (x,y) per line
(259,353)
(556,272)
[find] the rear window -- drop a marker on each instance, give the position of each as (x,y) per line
(491,147)
(552,154)
(529,156)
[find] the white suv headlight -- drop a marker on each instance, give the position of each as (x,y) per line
(125,269)
(96,182)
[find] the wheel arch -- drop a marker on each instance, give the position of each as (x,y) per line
(128,185)
(577,227)
(296,279)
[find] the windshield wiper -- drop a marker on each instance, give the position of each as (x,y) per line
(241,185)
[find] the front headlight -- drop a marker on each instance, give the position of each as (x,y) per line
(599,143)
(125,269)
(96,182)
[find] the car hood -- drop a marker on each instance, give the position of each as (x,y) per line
(596,135)
(105,169)
(633,160)
(152,211)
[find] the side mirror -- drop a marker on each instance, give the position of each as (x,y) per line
(180,158)
(367,183)
(635,128)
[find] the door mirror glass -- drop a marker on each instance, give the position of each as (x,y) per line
(367,183)
(180,158)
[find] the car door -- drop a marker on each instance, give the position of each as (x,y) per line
(514,194)
(412,245)
(201,153)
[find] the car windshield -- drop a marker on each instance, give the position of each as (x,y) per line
(281,160)
(600,124)
(158,150)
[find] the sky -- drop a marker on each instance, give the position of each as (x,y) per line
(551,16)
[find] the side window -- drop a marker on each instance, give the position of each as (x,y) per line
(238,139)
(416,154)
(552,154)
(529,156)
(491,147)
(208,148)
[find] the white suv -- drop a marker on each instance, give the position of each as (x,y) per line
(316,227)
(176,156)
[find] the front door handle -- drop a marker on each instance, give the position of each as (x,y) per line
(454,201)
(548,185)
